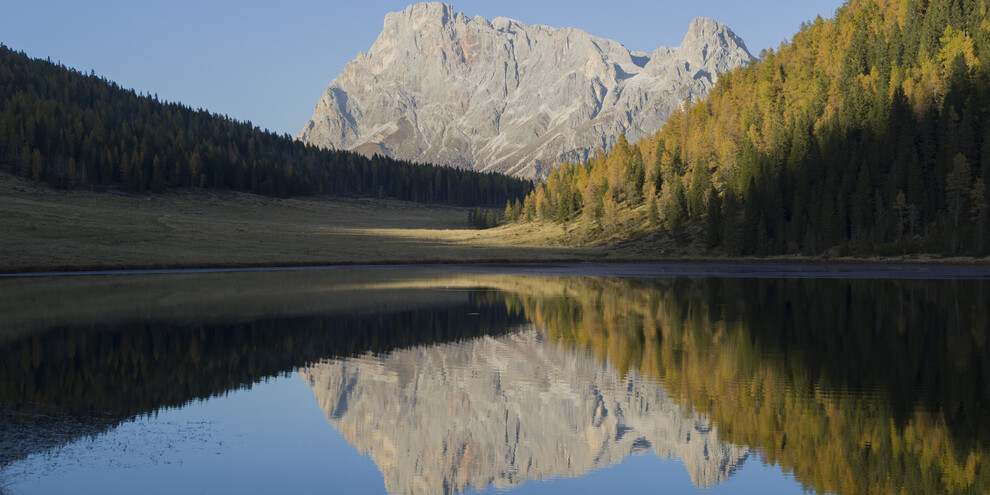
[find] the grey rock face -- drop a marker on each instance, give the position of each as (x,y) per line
(500,411)
(440,87)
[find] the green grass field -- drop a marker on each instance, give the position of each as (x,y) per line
(43,228)
(47,229)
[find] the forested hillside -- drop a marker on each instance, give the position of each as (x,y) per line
(868,132)
(75,130)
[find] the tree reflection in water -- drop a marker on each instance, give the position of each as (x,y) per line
(855,386)
(864,386)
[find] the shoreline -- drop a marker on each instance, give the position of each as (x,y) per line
(179,268)
(76,232)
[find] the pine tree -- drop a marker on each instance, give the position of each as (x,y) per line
(563,207)
(675,210)
(517,209)
(957,186)
(653,216)
(713,220)
(72,172)
(731,239)
(529,208)
(901,209)
(157,176)
(861,217)
(701,181)
(195,165)
(610,219)
(36,164)
(980,216)
(635,179)
(751,221)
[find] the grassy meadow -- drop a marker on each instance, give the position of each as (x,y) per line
(44,228)
(49,229)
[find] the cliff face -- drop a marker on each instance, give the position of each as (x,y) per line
(499,411)
(444,88)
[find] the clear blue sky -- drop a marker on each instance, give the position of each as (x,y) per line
(269,61)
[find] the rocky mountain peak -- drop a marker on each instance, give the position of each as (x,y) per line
(418,15)
(441,87)
(705,28)
(714,40)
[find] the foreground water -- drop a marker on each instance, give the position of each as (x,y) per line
(529,379)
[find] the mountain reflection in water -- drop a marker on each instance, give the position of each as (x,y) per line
(453,380)
(499,411)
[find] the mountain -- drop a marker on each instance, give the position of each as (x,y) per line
(440,87)
(866,134)
(497,411)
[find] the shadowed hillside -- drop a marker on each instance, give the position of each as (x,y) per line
(75,130)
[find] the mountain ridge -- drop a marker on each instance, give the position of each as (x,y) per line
(438,86)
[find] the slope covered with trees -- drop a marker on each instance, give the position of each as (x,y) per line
(868,132)
(75,130)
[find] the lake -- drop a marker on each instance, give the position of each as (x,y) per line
(521,379)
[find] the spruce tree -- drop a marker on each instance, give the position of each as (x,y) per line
(957,186)
(713,220)
(157,176)
(980,216)
(731,240)
(653,216)
(701,181)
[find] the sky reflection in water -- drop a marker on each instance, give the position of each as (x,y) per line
(421,382)
(273,439)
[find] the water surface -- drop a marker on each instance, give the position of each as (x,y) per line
(524,379)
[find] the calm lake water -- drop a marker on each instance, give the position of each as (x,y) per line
(581,378)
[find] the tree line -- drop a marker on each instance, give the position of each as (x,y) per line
(168,362)
(867,133)
(71,130)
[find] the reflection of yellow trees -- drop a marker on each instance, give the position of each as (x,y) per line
(855,386)
(786,399)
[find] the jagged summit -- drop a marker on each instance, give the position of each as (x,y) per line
(423,12)
(714,41)
(704,28)
(438,86)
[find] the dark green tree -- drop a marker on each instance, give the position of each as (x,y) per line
(713,219)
